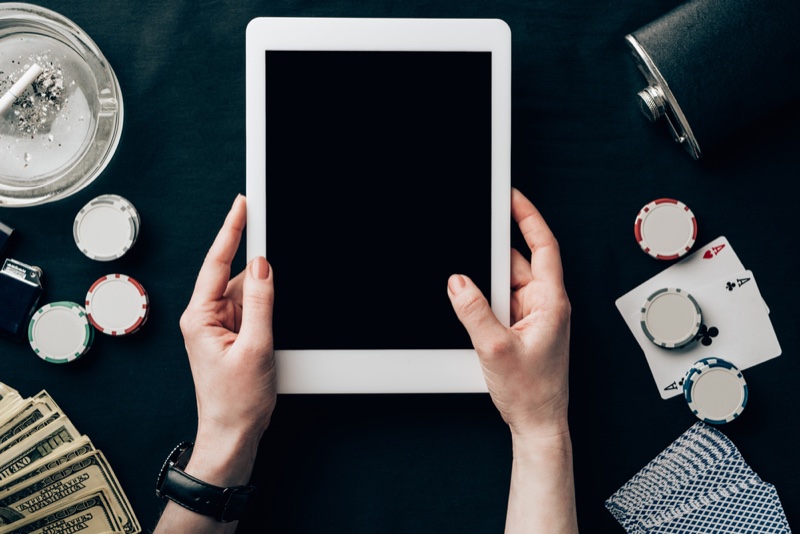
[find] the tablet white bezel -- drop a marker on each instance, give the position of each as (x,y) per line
(384,371)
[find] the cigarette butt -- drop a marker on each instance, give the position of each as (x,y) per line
(18,88)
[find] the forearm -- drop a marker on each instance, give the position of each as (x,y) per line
(542,493)
(224,460)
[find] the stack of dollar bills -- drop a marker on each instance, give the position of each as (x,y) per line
(52,479)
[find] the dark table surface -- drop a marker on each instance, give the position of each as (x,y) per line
(414,463)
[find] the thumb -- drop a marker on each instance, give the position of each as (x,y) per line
(258,296)
(474,312)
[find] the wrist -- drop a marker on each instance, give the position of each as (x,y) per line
(552,444)
(223,457)
(538,420)
(541,473)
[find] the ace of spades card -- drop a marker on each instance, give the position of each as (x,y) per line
(735,320)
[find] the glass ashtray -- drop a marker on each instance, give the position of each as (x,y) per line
(61,131)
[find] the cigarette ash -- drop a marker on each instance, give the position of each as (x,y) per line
(36,109)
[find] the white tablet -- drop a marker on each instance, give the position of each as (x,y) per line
(378,164)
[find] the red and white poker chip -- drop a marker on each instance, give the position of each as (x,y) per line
(666,229)
(117,305)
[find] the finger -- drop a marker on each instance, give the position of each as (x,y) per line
(235,288)
(474,312)
(520,270)
(520,277)
(216,269)
(545,256)
(234,293)
(257,303)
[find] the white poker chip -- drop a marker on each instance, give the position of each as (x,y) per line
(106,228)
(126,204)
(715,391)
(666,229)
(59,332)
(671,318)
(117,305)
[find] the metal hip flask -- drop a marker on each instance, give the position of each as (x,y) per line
(715,66)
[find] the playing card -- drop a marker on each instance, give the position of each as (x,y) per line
(697,492)
(696,464)
(748,506)
(715,260)
(735,327)
(700,479)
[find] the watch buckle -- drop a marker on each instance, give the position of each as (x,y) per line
(225,498)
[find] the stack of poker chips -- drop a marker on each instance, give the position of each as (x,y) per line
(52,478)
(700,483)
(666,229)
(671,317)
(61,332)
(116,304)
(715,390)
(106,228)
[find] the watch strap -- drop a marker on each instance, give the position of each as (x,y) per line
(223,504)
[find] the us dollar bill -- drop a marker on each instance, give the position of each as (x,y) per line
(89,514)
(65,455)
(9,399)
(82,476)
(11,403)
(26,416)
(35,447)
(6,390)
(31,428)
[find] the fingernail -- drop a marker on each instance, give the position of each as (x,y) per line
(259,268)
(238,196)
(456,283)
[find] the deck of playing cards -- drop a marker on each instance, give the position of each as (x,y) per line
(735,319)
(700,483)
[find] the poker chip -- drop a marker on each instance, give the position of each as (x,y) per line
(715,391)
(117,305)
(125,204)
(671,318)
(106,228)
(59,332)
(666,229)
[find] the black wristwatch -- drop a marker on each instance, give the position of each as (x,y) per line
(223,504)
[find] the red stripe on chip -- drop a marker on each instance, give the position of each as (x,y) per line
(665,229)
(117,305)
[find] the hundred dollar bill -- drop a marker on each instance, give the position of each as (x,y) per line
(9,399)
(6,391)
(90,514)
(81,447)
(82,476)
(55,418)
(44,396)
(37,446)
(26,416)
(32,428)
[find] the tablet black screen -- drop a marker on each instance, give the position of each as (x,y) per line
(378,171)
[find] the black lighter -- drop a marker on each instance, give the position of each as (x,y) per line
(714,66)
(6,234)
(20,289)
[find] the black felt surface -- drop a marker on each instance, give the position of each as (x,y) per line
(432,463)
